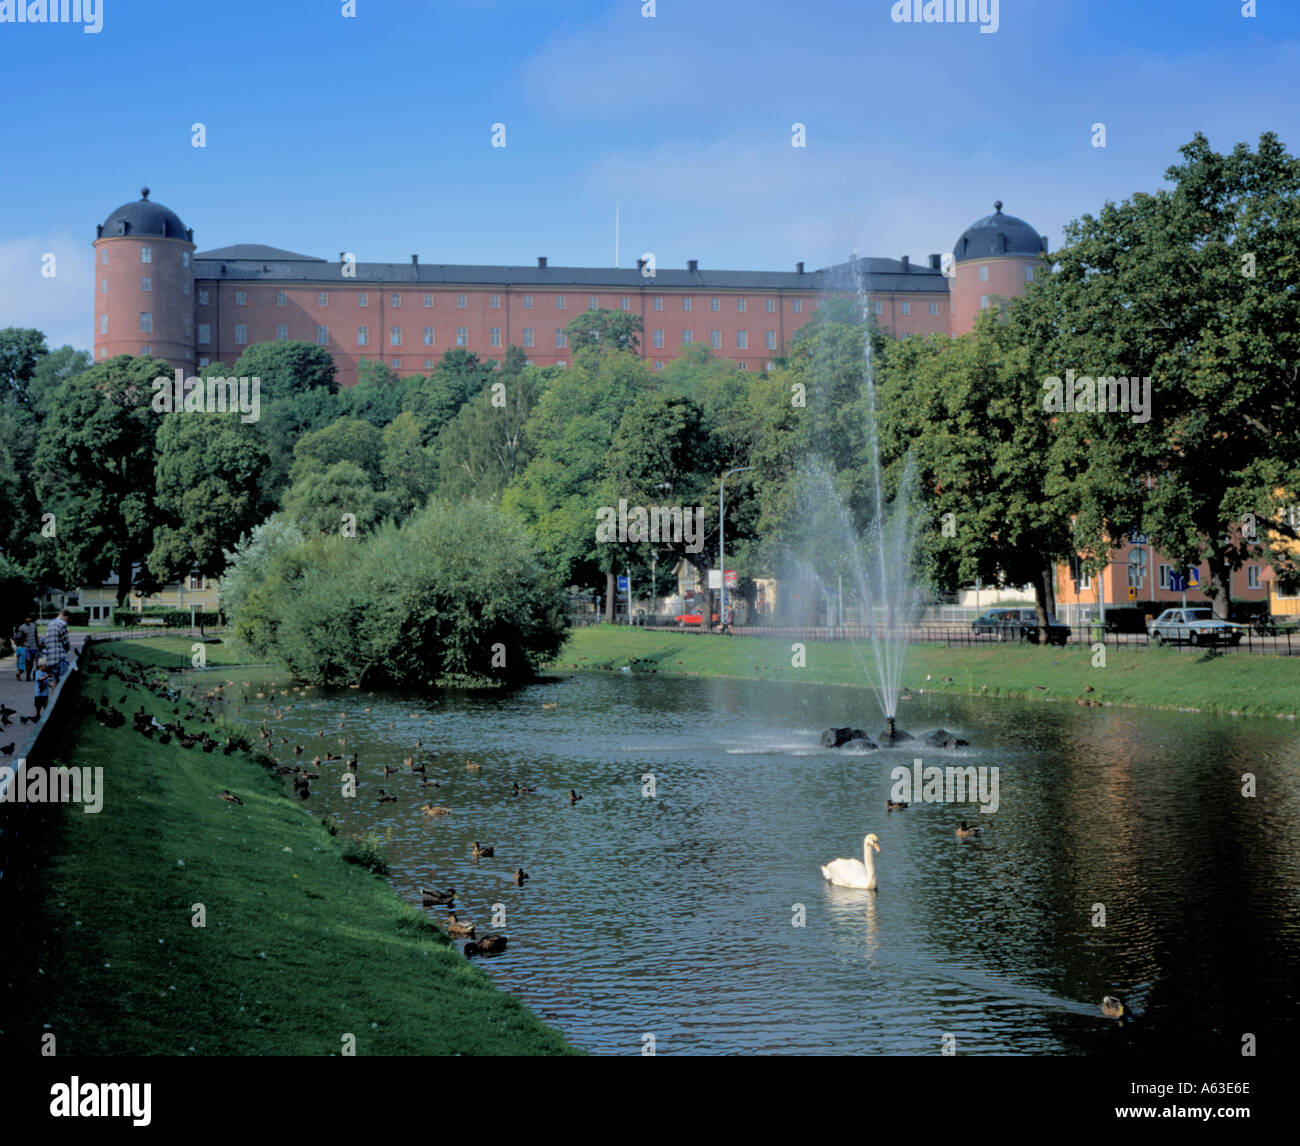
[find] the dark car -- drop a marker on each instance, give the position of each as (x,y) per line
(1057,631)
(994,620)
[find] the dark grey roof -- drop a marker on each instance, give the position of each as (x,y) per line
(880,274)
(998,234)
(255,251)
(144,217)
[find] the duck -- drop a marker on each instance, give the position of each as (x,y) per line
(573,797)
(389,770)
(965,833)
(488,945)
(895,805)
(419,769)
(458,929)
(432,898)
(519,876)
(470,766)
(427,783)
(855,873)
(1113,1007)
(435,810)
(551,705)
(409,761)
(385,798)
(230,797)
(480,851)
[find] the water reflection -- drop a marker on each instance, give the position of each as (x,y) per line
(674,914)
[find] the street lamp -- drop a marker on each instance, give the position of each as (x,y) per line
(722,564)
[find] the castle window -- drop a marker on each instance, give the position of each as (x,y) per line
(363,336)
(771,306)
(1029,274)
(322,298)
(771,339)
(103,258)
(905,308)
(185,259)
(397,300)
(241,298)
(878,308)
(103,285)
(688,337)
(625,303)
(146,254)
(103,324)
(934,308)
(185,288)
(428,336)
(560,341)
(395,336)
(282,332)
(797,306)
(281,299)
(189,322)
(659,302)
(494,336)
(462,336)
(658,364)
(494,302)
(742,365)
(241,334)
(203,361)
(147,351)
(984,302)
(203,296)
(205,334)
(984,274)
(322,335)
(460,302)
(528,302)
(397,363)
(659,339)
(146,283)
(686,304)
(715,339)
(742,340)
(593,303)
(715,304)
(740,306)
(146,321)
(559,302)
(363,299)
(428,302)
(528,336)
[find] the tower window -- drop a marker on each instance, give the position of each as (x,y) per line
(205,334)
(241,298)
(241,334)
(146,283)
(203,296)
(146,321)
(984,274)
(146,254)
(103,324)
(1029,274)
(281,299)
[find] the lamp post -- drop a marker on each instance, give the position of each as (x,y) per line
(722,564)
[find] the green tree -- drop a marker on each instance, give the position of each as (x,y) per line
(459,375)
(248,567)
(51,371)
(345,439)
(207,490)
(319,501)
(483,448)
(95,473)
(1193,286)
(603,329)
(407,464)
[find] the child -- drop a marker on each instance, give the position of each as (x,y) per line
(42,689)
(21,652)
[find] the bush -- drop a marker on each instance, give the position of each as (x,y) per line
(367,852)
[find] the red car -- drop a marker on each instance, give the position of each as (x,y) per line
(684,619)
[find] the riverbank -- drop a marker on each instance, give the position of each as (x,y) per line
(1142,678)
(298,951)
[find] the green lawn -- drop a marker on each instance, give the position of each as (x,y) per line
(299,948)
(1154,678)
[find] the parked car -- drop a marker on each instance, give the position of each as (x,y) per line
(684,619)
(1193,626)
(991,621)
(1058,632)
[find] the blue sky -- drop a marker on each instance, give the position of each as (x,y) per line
(373,134)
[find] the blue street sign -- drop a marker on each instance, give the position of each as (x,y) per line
(1177,583)
(1193,578)
(622,584)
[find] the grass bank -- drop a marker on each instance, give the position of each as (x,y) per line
(1146,678)
(299,950)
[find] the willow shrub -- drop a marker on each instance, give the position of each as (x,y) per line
(455,594)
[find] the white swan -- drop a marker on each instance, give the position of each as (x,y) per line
(855,873)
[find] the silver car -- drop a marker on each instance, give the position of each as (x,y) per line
(1193,626)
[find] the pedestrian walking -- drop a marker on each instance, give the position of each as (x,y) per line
(27,637)
(57,646)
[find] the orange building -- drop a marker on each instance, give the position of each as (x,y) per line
(156,295)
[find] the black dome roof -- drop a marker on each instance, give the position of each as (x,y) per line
(144,218)
(997,234)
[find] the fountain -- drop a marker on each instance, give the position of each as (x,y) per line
(881,561)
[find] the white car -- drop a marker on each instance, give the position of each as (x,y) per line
(1194,626)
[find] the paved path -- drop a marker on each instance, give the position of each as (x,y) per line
(20,694)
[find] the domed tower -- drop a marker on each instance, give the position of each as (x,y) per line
(144,284)
(994,258)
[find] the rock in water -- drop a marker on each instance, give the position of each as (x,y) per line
(838,737)
(897,738)
(942,738)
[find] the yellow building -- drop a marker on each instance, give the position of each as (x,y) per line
(1283,599)
(100,601)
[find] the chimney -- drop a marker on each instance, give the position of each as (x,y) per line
(692,265)
(415,260)
(640,263)
(541,262)
(934,262)
(906,260)
(798,267)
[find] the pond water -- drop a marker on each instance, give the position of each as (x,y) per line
(673,915)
